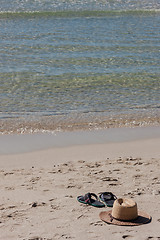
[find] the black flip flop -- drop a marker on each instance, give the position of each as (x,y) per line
(108,198)
(88,199)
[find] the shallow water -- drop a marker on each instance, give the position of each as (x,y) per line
(79,64)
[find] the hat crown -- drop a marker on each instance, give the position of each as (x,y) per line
(124,209)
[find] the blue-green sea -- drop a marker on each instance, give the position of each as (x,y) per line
(67,65)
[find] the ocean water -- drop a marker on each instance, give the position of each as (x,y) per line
(67,65)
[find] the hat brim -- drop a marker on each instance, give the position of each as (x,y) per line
(141,219)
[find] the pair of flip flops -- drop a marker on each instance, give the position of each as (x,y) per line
(92,199)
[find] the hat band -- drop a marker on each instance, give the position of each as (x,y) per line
(112,218)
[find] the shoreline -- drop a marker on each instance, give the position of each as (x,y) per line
(23,143)
(146,149)
(143,148)
(29,124)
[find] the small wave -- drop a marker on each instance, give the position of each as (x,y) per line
(85,13)
(86,121)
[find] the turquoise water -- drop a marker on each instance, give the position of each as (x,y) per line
(79,64)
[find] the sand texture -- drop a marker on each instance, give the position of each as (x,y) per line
(38,192)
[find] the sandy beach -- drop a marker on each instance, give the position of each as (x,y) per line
(79,113)
(39,186)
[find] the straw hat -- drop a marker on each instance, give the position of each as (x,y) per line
(125,213)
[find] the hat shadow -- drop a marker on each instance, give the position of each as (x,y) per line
(143,220)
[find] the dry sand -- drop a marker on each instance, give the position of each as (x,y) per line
(39,189)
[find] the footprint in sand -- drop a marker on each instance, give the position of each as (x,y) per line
(109,179)
(153,238)
(98,223)
(9,188)
(127,236)
(36,238)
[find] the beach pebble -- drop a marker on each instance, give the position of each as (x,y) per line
(34,204)
(156,192)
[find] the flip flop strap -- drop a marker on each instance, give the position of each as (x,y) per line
(112,196)
(88,197)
